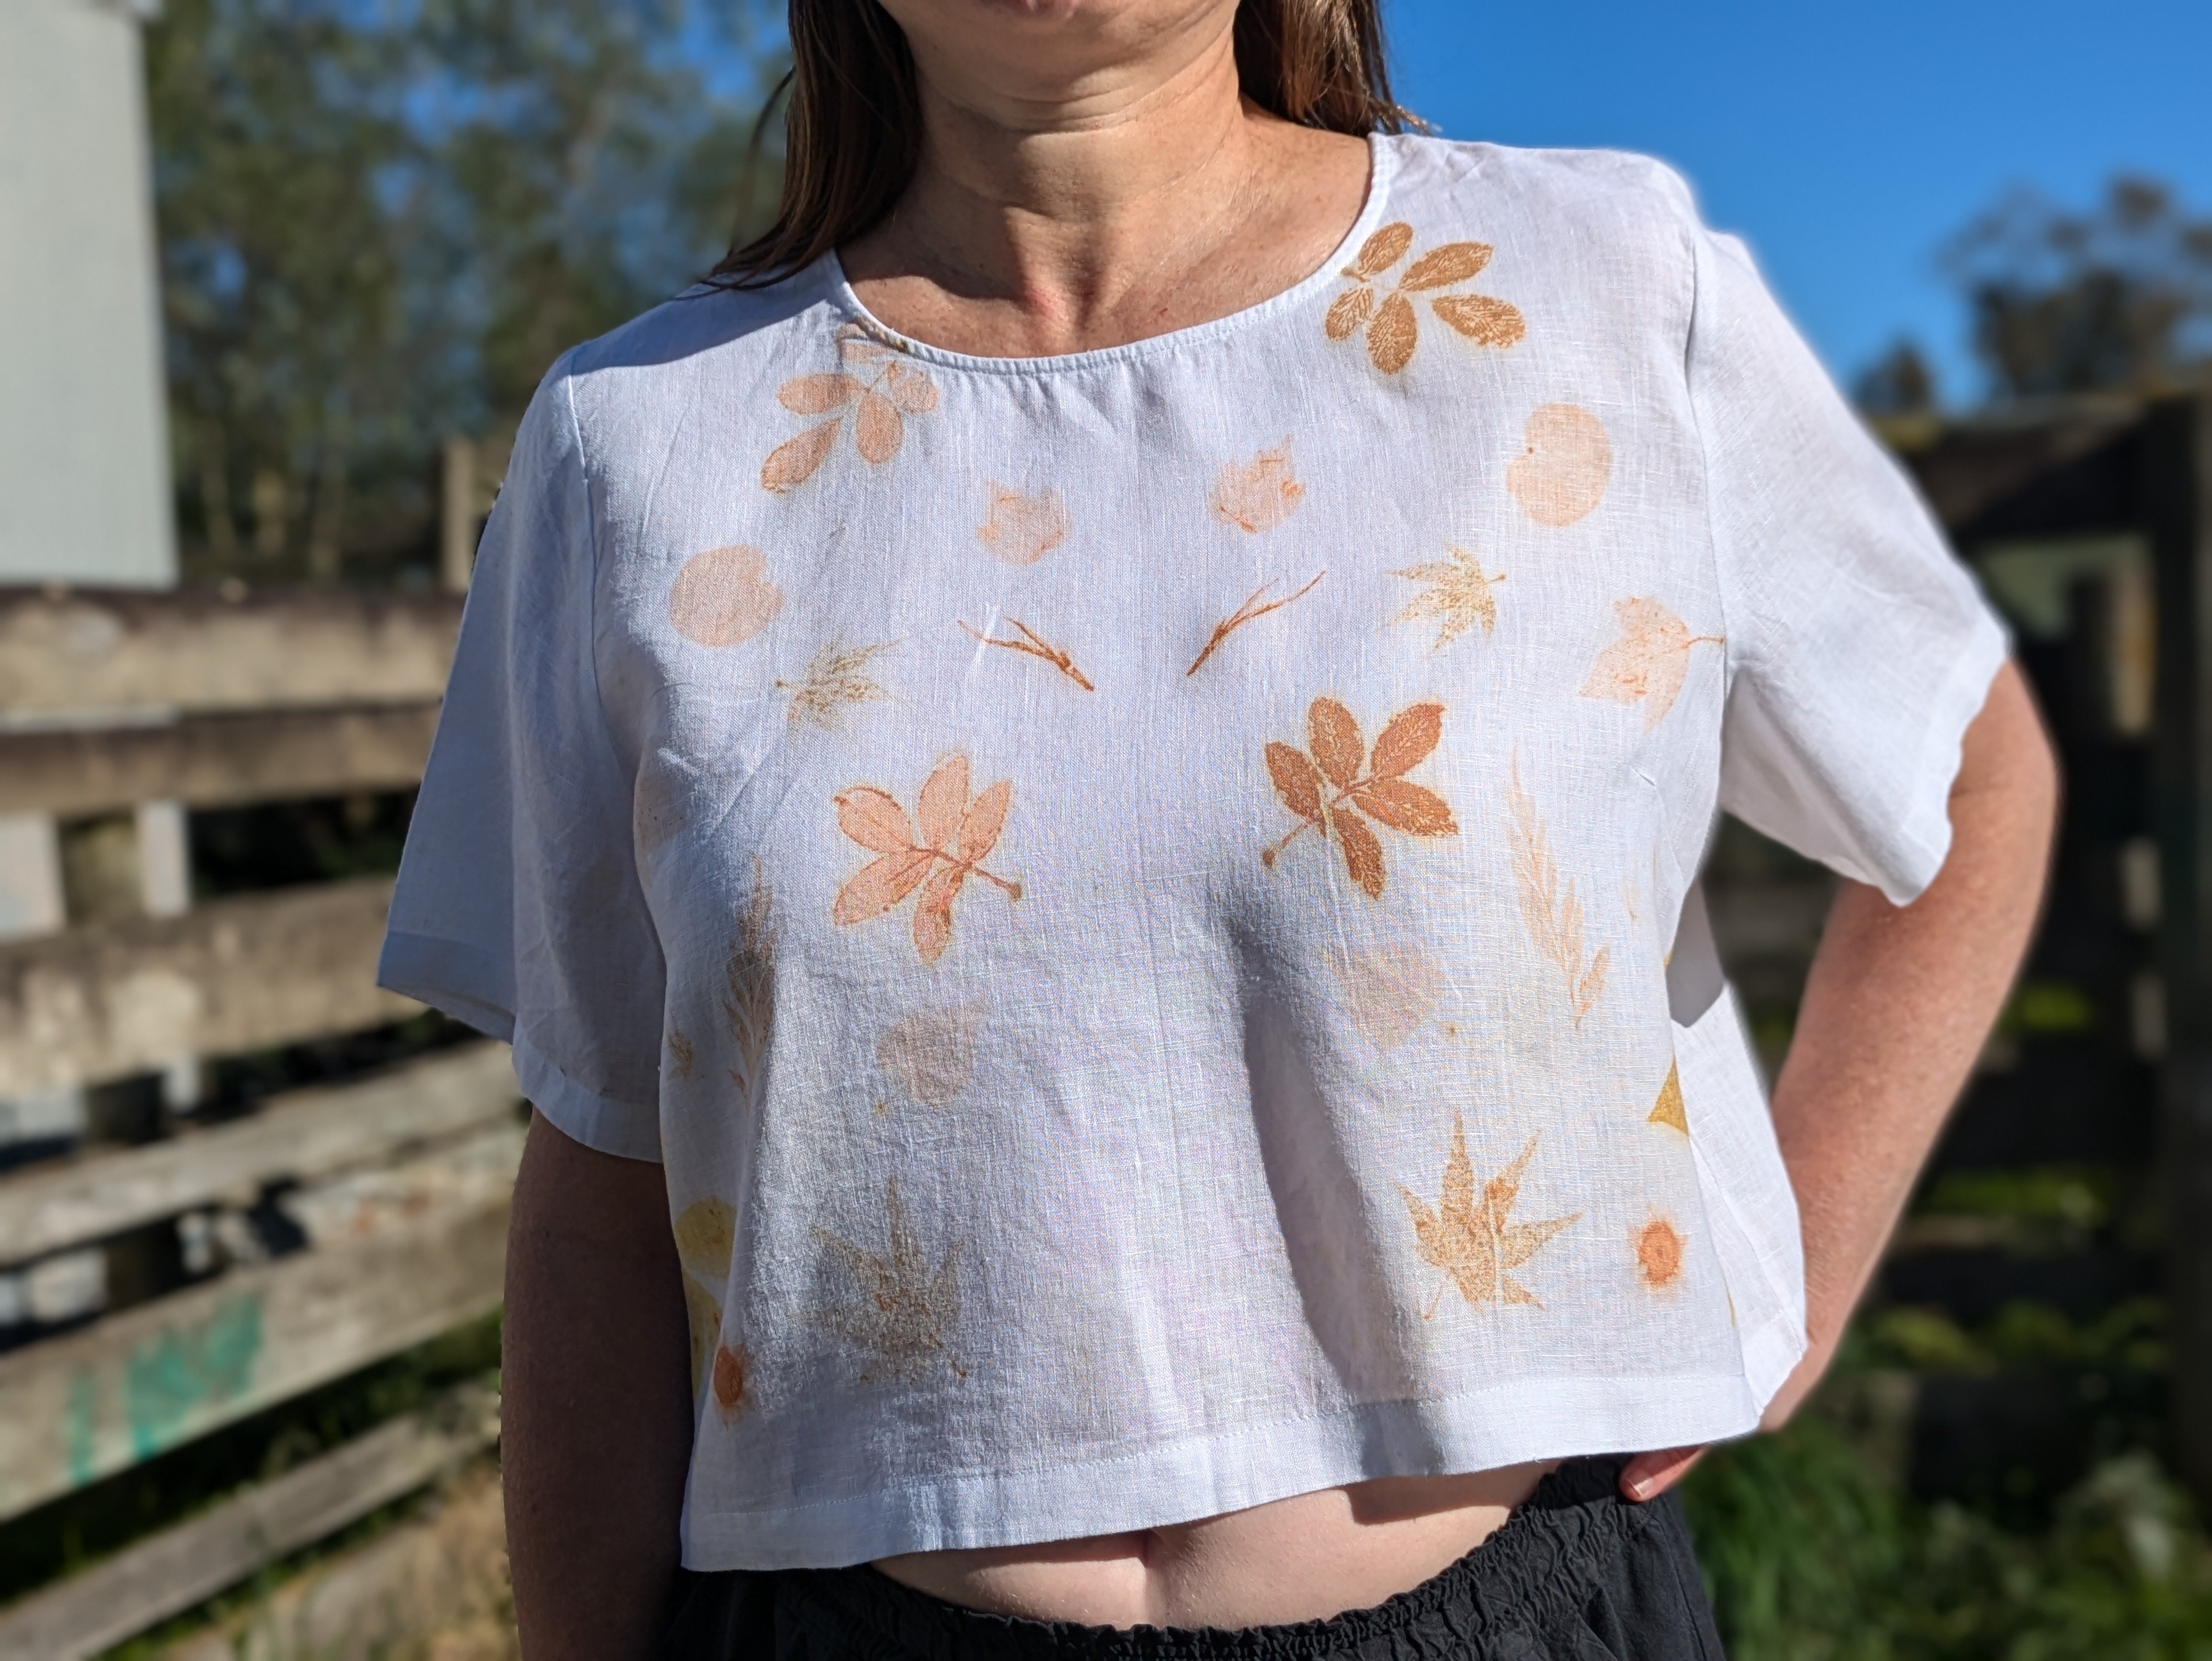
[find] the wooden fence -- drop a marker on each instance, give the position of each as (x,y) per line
(130,712)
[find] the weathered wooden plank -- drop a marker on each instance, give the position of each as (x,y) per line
(88,655)
(237,973)
(215,760)
(136,1384)
(303,1134)
(180,1566)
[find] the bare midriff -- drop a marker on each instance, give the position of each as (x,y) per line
(1301,1559)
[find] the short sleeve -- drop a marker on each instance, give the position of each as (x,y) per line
(518,908)
(1859,649)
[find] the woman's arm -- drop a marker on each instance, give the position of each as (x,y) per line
(1897,1006)
(596,1409)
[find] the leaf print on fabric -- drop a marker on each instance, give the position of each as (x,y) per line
(1561,472)
(679,1054)
(1033,644)
(1475,1241)
(1458,596)
(1248,611)
(1259,494)
(749,1005)
(931,1053)
(1393,329)
(1330,789)
(836,678)
(874,819)
(879,399)
(656,806)
(732,1377)
(1648,662)
(1659,1253)
(1021,529)
(1389,990)
(906,1312)
(1550,907)
(1668,1109)
(705,1233)
(723,597)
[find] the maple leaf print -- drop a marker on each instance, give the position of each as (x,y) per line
(1475,1241)
(1032,644)
(956,836)
(1248,611)
(1549,906)
(1330,789)
(1389,990)
(835,680)
(1259,494)
(1659,1253)
(1387,316)
(931,1053)
(750,1003)
(1668,1109)
(906,1312)
(1560,474)
(1648,662)
(878,398)
(1458,596)
(1021,529)
(723,597)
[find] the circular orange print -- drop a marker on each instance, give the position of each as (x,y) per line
(1561,474)
(723,597)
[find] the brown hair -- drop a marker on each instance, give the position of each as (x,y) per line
(853,134)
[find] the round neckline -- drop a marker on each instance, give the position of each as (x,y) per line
(1382,168)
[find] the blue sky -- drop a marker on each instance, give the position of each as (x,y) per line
(1846,142)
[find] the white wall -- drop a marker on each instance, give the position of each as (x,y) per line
(84,461)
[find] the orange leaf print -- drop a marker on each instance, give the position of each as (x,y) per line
(1389,990)
(944,795)
(733,1372)
(932,1053)
(904,1315)
(836,678)
(792,463)
(1476,1242)
(1407,742)
(1362,853)
(1333,737)
(1248,611)
(1393,335)
(1340,764)
(1259,494)
(1659,1253)
(817,394)
(1021,529)
(1393,328)
(878,403)
(1380,250)
(723,597)
(1648,662)
(1485,321)
(1439,268)
(873,817)
(1550,908)
(1560,474)
(1411,808)
(1458,595)
(1669,1110)
(1297,780)
(882,883)
(1032,644)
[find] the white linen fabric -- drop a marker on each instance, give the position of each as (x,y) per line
(1133,891)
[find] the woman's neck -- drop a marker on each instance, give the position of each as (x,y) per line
(1052,215)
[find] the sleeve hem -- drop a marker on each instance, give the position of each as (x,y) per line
(1952,710)
(602,1123)
(448,975)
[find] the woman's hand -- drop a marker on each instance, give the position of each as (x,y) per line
(1897,1004)
(596,1402)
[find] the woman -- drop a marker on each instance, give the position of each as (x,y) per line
(1079,788)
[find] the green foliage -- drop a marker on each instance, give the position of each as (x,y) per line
(381,220)
(1810,1557)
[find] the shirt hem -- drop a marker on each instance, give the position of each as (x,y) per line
(599,1123)
(1951,712)
(1230,1470)
(438,973)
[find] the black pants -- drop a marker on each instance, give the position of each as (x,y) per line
(1576,1573)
